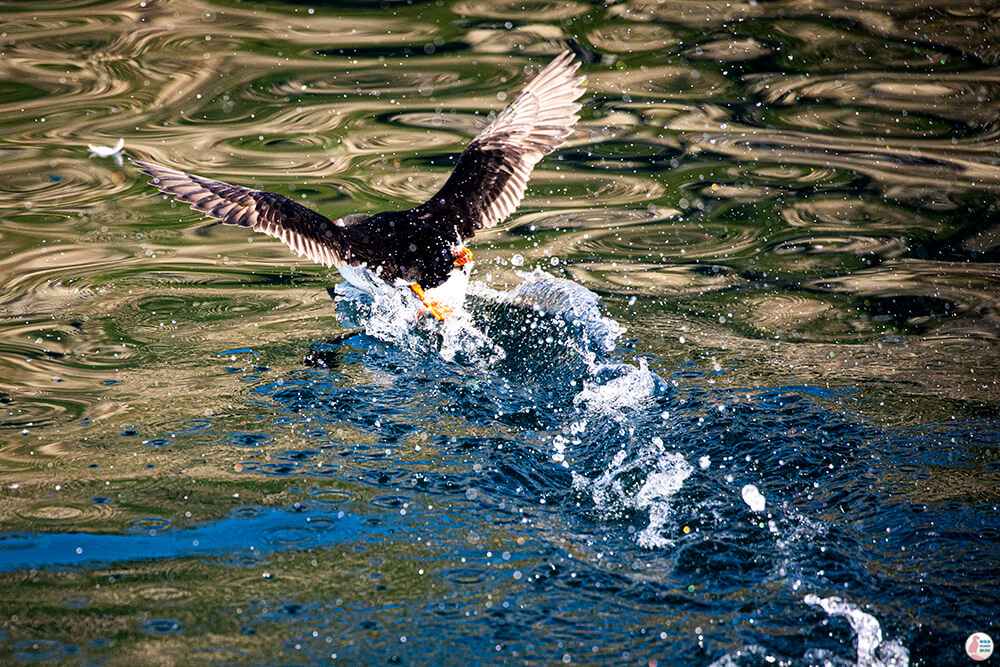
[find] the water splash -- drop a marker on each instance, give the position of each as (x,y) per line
(752,497)
(646,481)
(545,324)
(872,651)
(552,331)
(617,389)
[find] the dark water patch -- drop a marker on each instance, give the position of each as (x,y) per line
(161,626)
(249,439)
(43,650)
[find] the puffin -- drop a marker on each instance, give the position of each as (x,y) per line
(422,248)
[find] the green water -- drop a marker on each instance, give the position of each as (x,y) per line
(766,195)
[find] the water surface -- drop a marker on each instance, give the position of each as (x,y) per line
(788,212)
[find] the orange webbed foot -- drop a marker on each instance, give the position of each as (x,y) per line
(463,257)
(437,310)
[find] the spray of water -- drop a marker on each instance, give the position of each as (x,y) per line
(550,332)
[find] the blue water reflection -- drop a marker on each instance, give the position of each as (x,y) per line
(260,531)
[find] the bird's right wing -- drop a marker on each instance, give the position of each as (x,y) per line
(492,173)
(306,232)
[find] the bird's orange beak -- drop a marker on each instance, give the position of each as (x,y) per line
(463,257)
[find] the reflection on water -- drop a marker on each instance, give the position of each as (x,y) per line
(789,209)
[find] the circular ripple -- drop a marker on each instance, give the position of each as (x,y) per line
(729,50)
(247,512)
(53,183)
(51,512)
(398,140)
(580,219)
(765,174)
(846,244)
(665,240)
(797,317)
(40,267)
(567,190)
(869,122)
(625,156)
(651,278)
(332,496)
(150,523)
(239,559)
(287,537)
(468,575)
(391,502)
(955,98)
(72,513)
(401,186)
(662,81)
(42,650)
(164,594)
(321,524)
(369,81)
(631,37)
(248,439)
(854,215)
(460,123)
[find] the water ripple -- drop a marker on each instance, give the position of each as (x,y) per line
(789,207)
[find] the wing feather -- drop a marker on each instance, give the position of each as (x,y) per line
(306,232)
(492,173)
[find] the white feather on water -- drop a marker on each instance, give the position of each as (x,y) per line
(108,151)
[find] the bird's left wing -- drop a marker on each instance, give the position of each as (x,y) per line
(492,173)
(306,232)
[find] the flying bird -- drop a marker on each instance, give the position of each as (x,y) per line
(422,248)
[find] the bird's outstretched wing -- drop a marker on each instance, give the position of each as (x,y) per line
(306,232)
(492,173)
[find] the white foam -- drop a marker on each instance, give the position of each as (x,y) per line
(662,473)
(452,292)
(360,278)
(573,303)
(627,388)
(393,315)
(753,498)
(655,494)
(872,652)
(461,341)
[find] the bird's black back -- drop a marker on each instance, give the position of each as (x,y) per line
(406,245)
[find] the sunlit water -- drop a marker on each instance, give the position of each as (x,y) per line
(724,390)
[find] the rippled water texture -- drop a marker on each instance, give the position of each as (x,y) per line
(726,390)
